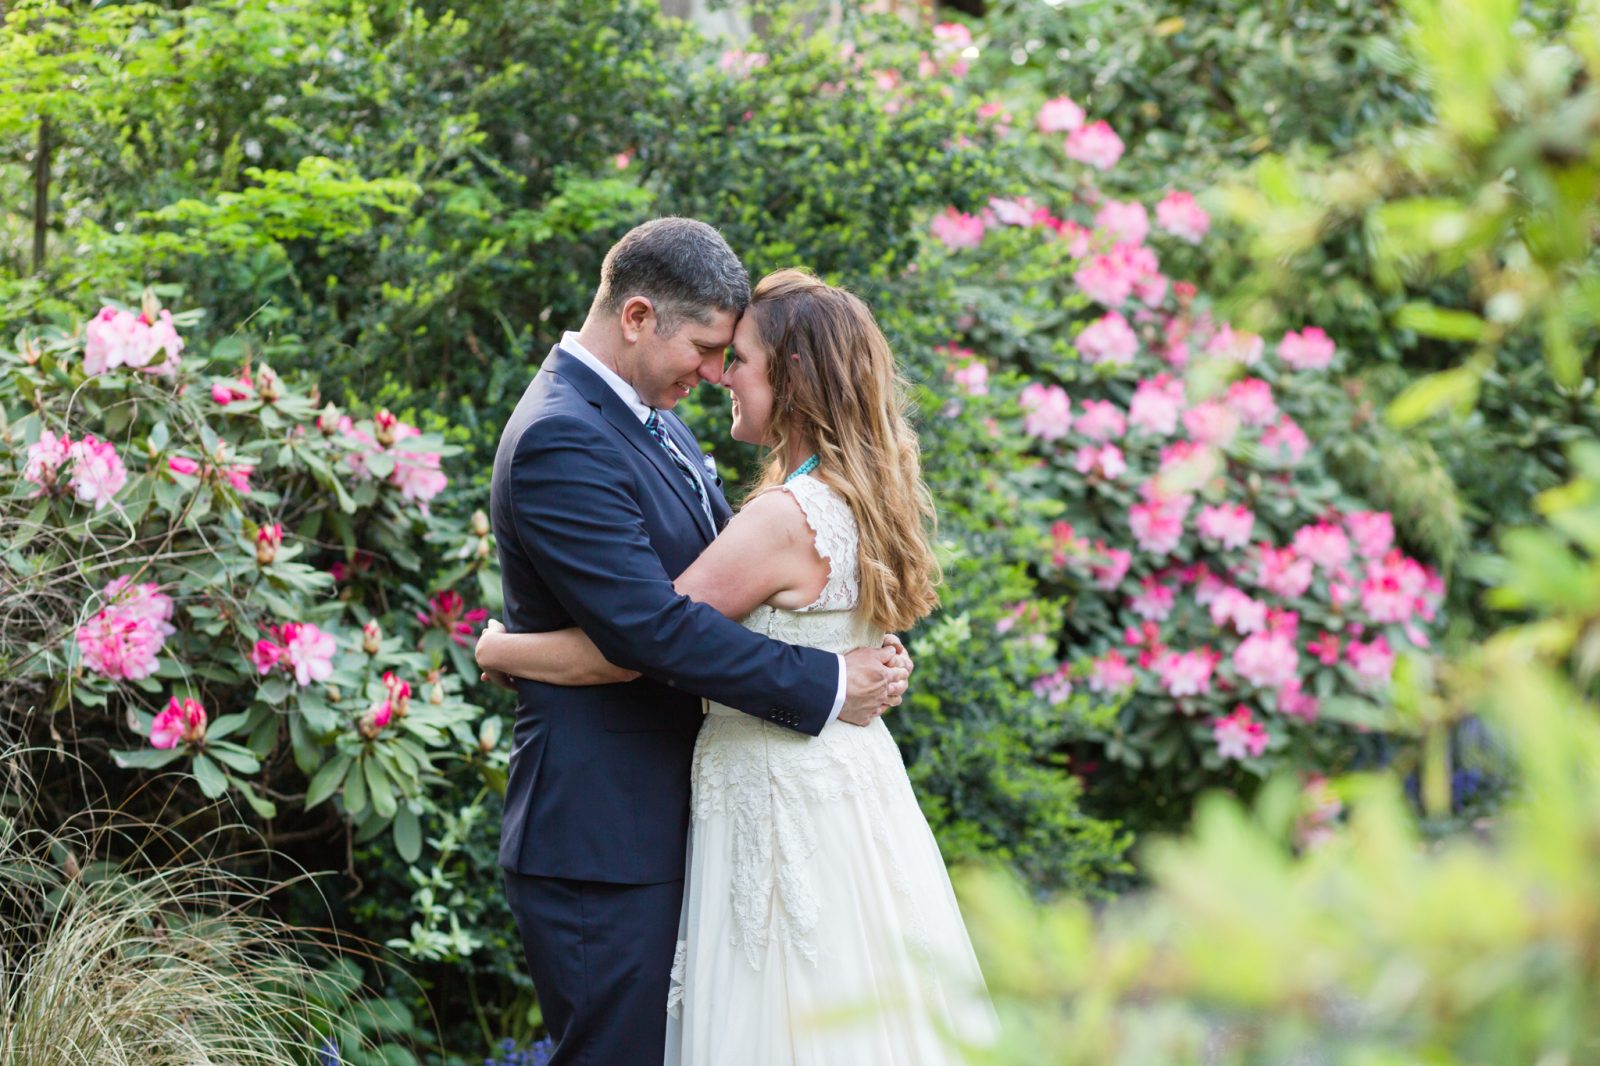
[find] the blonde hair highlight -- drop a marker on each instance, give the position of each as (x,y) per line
(834,382)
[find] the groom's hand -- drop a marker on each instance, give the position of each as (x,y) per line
(873,684)
(902,658)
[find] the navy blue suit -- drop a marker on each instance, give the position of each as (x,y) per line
(593,522)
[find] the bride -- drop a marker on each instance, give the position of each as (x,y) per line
(818,925)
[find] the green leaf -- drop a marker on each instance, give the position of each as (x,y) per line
(146,758)
(327,780)
(379,788)
(355,793)
(407,834)
(1432,321)
(260,804)
(231,755)
(225,726)
(1456,389)
(213,782)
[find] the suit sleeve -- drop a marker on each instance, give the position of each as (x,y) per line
(578,520)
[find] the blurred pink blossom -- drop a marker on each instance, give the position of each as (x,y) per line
(1281,572)
(956,229)
(1325,647)
(122,338)
(1157,524)
(1230,524)
(1266,660)
(1154,600)
(1180,216)
(123,639)
(97,471)
(1110,674)
(1101,420)
(1231,605)
(1155,405)
(1095,144)
(1299,704)
(1284,440)
(1211,423)
(1186,674)
(1108,339)
(1242,348)
(307,652)
(1239,735)
(1324,544)
(45,458)
(1104,461)
(1109,566)
(1373,661)
(1060,115)
(1373,532)
(1310,349)
(1251,399)
(448,611)
(1047,411)
(1127,222)
(179,464)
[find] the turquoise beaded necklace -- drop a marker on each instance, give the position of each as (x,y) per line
(804,468)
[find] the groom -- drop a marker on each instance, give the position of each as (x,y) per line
(599,500)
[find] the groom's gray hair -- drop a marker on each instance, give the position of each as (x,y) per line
(681,265)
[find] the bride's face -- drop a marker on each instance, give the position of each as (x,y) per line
(746,377)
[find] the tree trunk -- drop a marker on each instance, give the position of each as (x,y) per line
(41,195)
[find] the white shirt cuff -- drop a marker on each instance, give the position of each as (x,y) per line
(838,700)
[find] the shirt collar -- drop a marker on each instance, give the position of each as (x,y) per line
(630,396)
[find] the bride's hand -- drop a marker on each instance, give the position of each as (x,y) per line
(494,677)
(902,658)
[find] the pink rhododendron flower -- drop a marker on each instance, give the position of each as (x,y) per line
(1109,566)
(238,475)
(123,639)
(97,471)
(1310,349)
(1211,423)
(957,229)
(1373,532)
(1266,660)
(1324,544)
(224,392)
(972,378)
(1126,222)
(952,36)
(265,655)
(269,538)
(1372,661)
(1239,735)
(1285,441)
(996,114)
(418,476)
(448,611)
(1325,647)
(1106,279)
(739,62)
(121,338)
(1066,542)
(1095,144)
(1251,399)
(1300,704)
(1146,637)
(1392,588)
(1108,339)
(45,458)
(307,652)
(1231,605)
(1281,572)
(1110,674)
(1186,674)
(1060,115)
(1155,405)
(1229,524)
(1186,464)
(1243,348)
(1047,411)
(1104,461)
(1150,289)
(179,464)
(184,722)
(1101,420)
(1154,600)
(1055,687)
(1180,216)
(1157,525)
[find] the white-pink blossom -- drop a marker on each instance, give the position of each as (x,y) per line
(1229,524)
(1100,420)
(1060,115)
(97,471)
(1179,215)
(1156,404)
(1251,399)
(1104,461)
(1186,674)
(1266,659)
(1154,600)
(1127,222)
(1212,423)
(1233,606)
(1239,347)
(1108,339)
(1285,441)
(307,652)
(1324,544)
(957,229)
(1281,572)
(1309,349)
(1372,661)
(1047,411)
(1239,735)
(1095,144)
(1373,532)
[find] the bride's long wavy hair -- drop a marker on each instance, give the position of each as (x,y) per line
(844,394)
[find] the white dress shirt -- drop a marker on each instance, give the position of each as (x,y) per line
(630,396)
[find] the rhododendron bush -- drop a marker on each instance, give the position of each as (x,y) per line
(209,571)
(1241,608)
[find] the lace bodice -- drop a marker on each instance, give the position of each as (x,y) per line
(770,781)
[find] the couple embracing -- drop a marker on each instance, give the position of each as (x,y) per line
(710,843)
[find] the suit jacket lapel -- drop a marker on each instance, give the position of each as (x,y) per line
(625,422)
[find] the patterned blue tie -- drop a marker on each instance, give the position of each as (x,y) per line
(659,432)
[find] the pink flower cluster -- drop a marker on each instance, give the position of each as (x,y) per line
(448,611)
(116,338)
(124,637)
(97,471)
(416,474)
(300,648)
(185,722)
(1239,735)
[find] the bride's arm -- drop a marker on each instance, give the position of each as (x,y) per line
(765,553)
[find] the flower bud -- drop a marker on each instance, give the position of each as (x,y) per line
(267,386)
(30,351)
(386,423)
(436,694)
(334,695)
(179,464)
(328,420)
(268,540)
(482,551)
(480,524)
(373,722)
(371,637)
(399,693)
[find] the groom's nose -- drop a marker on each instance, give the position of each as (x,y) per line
(710,369)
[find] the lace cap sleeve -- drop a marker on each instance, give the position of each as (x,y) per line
(838,542)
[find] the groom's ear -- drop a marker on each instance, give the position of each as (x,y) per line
(637,315)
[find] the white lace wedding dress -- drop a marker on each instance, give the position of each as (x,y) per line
(819,927)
